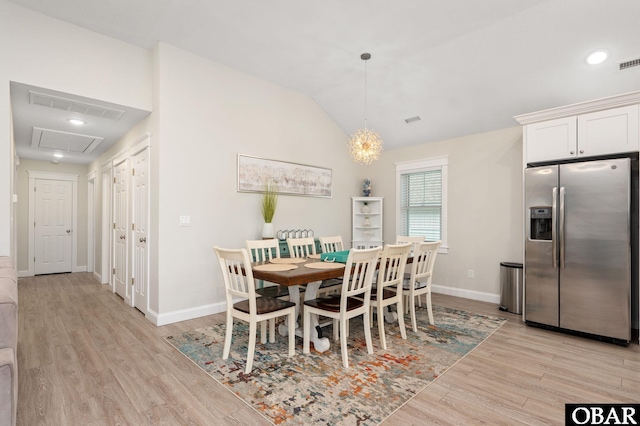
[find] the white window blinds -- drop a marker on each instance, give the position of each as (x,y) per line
(421,204)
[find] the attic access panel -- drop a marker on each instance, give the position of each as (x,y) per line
(64,141)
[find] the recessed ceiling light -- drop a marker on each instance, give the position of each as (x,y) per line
(597,57)
(58,155)
(76,121)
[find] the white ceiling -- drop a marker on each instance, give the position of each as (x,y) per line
(41,127)
(463,66)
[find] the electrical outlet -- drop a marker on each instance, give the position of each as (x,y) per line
(471,273)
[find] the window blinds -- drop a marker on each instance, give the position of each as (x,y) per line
(421,204)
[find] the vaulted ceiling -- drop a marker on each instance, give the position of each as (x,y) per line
(462,66)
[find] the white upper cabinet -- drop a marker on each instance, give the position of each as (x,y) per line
(551,140)
(595,128)
(609,132)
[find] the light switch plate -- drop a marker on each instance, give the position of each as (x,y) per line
(185,220)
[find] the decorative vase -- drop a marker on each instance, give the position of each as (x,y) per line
(267,231)
(365,208)
(366,222)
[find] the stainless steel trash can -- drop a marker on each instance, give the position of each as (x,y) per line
(511,287)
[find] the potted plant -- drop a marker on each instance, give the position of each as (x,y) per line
(268,208)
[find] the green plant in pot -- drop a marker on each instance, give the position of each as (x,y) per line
(268,208)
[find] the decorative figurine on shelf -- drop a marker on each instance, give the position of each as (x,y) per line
(366,187)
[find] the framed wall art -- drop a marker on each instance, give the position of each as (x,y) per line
(289,178)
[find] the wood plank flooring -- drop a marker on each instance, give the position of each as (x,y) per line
(87,359)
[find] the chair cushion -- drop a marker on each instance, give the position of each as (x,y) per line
(332,303)
(264,305)
(331,283)
(386,294)
(406,285)
(273,291)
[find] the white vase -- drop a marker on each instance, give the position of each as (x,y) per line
(365,208)
(267,231)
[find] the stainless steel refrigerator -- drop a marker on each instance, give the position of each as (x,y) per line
(578,242)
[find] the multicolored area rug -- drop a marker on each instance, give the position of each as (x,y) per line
(314,388)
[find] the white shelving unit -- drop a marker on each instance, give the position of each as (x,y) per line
(366,226)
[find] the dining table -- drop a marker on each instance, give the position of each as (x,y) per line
(308,272)
(294,273)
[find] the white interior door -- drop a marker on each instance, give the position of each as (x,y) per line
(140,207)
(120,221)
(53,226)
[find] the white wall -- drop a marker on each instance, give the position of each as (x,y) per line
(485,219)
(45,52)
(208,114)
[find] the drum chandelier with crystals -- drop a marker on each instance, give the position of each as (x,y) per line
(365,145)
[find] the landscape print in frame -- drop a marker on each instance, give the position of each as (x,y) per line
(289,178)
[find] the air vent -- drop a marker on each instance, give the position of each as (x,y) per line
(412,119)
(629,64)
(58,102)
(64,141)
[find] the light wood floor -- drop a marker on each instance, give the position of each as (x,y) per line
(87,359)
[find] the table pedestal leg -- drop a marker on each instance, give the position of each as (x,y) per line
(294,296)
(320,344)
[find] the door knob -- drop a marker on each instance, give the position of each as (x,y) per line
(68,231)
(122,237)
(582,151)
(143,240)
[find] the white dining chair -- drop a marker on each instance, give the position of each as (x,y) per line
(263,251)
(388,287)
(424,259)
(401,239)
(331,244)
(239,283)
(301,247)
(356,289)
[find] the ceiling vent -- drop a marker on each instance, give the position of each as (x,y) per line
(64,141)
(412,119)
(58,102)
(629,64)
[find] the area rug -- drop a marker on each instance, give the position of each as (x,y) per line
(315,388)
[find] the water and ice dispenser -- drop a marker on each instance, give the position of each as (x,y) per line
(541,223)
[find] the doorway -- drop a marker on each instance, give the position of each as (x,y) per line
(53,241)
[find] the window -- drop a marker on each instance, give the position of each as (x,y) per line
(422,199)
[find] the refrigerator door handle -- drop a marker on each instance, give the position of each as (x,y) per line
(561,227)
(554,234)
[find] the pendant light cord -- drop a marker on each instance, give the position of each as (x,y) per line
(365,94)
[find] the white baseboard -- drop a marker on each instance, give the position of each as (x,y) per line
(467,294)
(97,276)
(185,314)
(22,274)
(79,269)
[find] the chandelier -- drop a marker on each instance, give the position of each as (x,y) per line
(365,145)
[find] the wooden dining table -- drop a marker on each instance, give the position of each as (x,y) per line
(293,279)
(303,276)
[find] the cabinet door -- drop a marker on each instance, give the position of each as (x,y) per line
(608,132)
(551,140)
